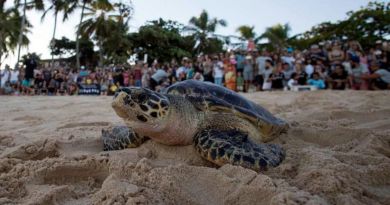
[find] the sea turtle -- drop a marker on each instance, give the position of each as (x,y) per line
(223,126)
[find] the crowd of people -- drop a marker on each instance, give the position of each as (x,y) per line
(333,65)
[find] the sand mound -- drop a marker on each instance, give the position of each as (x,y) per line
(338,152)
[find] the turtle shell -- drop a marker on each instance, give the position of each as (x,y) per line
(222,97)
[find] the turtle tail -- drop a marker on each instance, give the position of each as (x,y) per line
(234,147)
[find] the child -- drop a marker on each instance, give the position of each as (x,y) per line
(316,81)
(293,81)
(230,78)
(240,82)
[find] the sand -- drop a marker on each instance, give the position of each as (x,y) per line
(338,152)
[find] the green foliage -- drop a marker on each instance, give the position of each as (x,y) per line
(161,40)
(247,32)
(366,25)
(204,28)
(117,47)
(63,46)
(31,55)
(277,36)
(10,28)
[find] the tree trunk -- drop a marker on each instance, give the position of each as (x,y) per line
(101,57)
(78,36)
(52,39)
(20,40)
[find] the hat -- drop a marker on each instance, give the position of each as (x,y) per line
(378,42)
(248,57)
(82,67)
(315,46)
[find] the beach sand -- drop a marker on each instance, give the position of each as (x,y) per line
(338,152)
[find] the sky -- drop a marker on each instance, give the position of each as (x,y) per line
(300,14)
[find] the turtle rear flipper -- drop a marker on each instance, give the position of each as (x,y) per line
(121,137)
(234,147)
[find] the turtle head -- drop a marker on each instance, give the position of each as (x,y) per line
(140,106)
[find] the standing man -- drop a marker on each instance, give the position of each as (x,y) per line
(31,65)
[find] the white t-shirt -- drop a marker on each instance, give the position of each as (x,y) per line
(14,76)
(309,69)
(218,70)
(260,61)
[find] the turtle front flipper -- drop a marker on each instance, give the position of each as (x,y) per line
(121,137)
(234,147)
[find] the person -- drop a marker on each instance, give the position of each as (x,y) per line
(217,71)
(316,81)
(31,65)
(287,71)
(207,65)
(338,78)
(248,72)
(5,75)
(309,68)
(336,55)
(138,75)
(240,82)
(267,72)
(126,78)
(293,81)
(355,73)
(240,61)
(184,68)
(230,78)
(301,73)
(157,78)
(380,77)
(8,89)
(316,53)
(277,78)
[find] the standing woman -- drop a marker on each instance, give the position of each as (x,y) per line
(336,55)
(248,72)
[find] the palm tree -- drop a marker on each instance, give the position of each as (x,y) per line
(102,22)
(57,6)
(124,10)
(34,4)
(10,28)
(204,27)
(277,35)
(83,7)
(246,32)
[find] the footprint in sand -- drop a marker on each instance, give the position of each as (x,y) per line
(36,150)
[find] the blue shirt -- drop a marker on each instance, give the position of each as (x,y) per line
(317,83)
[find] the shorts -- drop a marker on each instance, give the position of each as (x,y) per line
(248,75)
(26,83)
